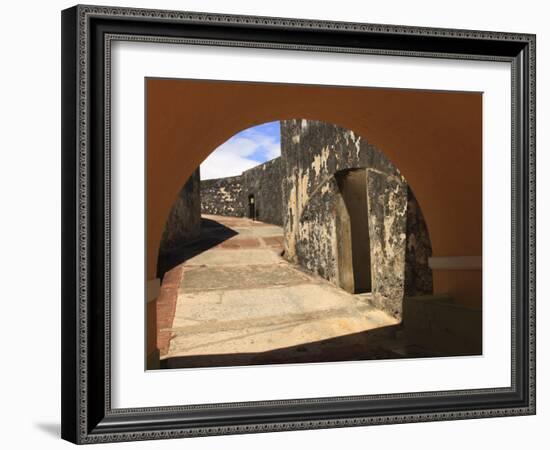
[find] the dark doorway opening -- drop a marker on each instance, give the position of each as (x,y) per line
(251,207)
(353,189)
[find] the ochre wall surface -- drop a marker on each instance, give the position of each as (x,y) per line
(433,138)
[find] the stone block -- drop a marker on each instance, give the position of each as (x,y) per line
(437,323)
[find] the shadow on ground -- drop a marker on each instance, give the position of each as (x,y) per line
(212,233)
(377,344)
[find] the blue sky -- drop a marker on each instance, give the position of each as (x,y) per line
(243,151)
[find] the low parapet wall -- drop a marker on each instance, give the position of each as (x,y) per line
(230,196)
(223,196)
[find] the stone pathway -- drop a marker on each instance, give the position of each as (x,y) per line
(239,302)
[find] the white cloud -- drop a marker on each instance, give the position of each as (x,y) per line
(223,164)
(273,150)
(242,152)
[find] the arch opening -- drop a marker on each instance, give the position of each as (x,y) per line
(251,207)
(353,232)
(346,212)
(434,138)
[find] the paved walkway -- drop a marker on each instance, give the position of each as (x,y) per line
(239,302)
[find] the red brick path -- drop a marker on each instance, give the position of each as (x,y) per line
(168,296)
(166,307)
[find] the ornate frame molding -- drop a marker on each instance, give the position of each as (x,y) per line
(87,260)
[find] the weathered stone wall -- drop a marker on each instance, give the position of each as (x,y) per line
(264,182)
(223,197)
(229,196)
(387,195)
(183,224)
(310,237)
(313,152)
(418,275)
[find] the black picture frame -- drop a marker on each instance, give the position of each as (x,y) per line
(87,415)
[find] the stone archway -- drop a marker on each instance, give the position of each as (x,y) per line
(433,137)
(336,184)
(344,208)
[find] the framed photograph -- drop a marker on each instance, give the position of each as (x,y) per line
(277,224)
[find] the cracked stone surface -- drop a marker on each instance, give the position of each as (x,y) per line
(240,302)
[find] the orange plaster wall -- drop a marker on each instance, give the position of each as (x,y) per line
(434,138)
